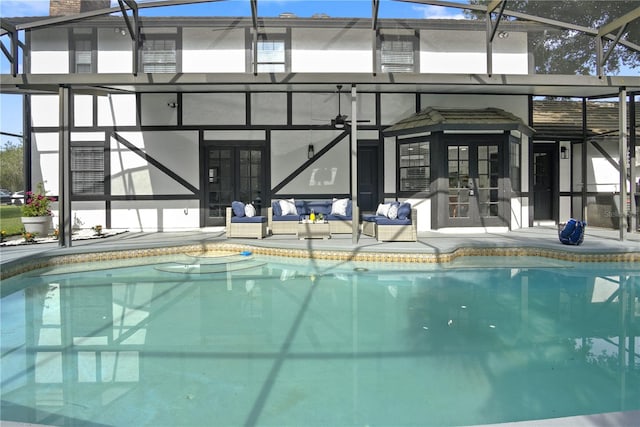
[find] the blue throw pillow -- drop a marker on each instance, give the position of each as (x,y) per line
(277,210)
(238,208)
(349,209)
(404,210)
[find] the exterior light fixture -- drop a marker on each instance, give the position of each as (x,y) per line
(503,35)
(172,104)
(564,152)
(311,151)
(120,31)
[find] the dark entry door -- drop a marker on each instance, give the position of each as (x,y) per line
(543,179)
(474,172)
(232,173)
(368,190)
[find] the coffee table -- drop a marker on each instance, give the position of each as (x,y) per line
(314,230)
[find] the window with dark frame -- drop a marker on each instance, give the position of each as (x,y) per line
(397,54)
(159,54)
(271,54)
(488,180)
(514,166)
(414,167)
(83,54)
(87,169)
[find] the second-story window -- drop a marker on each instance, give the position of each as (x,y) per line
(271,57)
(397,54)
(159,54)
(83,53)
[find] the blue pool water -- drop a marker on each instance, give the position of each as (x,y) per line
(242,340)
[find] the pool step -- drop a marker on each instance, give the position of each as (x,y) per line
(212,267)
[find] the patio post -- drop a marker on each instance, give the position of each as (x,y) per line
(622,117)
(355,214)
(633,218)
(64,186)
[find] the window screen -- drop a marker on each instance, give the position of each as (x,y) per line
(271,56)
(397,55)
(159,56)
(87,170)
(83,56)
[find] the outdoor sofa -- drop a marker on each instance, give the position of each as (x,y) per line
(242,221)
(284,215)
(392,222)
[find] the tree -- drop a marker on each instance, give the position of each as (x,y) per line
(11,166)
(558,51)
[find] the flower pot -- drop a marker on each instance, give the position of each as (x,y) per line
(39,225)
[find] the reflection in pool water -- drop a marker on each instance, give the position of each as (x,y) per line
(240,340)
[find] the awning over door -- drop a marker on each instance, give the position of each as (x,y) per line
(444,119)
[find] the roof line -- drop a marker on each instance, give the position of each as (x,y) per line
(480,8)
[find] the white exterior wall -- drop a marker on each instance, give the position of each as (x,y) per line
(155,109)
(131,174)
(327,50)
(602,176)
(45,111)
(82,110)
(510,55)
(396,106)
(117,110)
(88,214)
(213,50)
(564,171)
(268,108)
(50,51)
(329,174)
(464,52)
(114,52)
(320,108)
(44,161)
(155,215)
(214,108)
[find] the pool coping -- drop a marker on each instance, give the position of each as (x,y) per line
(97,254)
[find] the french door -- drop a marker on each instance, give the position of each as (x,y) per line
(475,185)
(232,173)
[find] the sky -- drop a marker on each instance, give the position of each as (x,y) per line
(11,105)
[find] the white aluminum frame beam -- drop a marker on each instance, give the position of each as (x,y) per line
(12,55)
(134,30)
(619,24)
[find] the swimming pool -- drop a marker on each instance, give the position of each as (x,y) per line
(248,340)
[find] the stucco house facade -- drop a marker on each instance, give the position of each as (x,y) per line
(165,131)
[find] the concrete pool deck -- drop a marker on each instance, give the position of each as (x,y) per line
(543,239)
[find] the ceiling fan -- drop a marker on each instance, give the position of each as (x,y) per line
(340,121)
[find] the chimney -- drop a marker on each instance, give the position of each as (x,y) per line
(72,7)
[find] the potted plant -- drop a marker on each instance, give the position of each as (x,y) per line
(36,211)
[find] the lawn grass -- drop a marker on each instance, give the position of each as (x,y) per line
(10,220)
